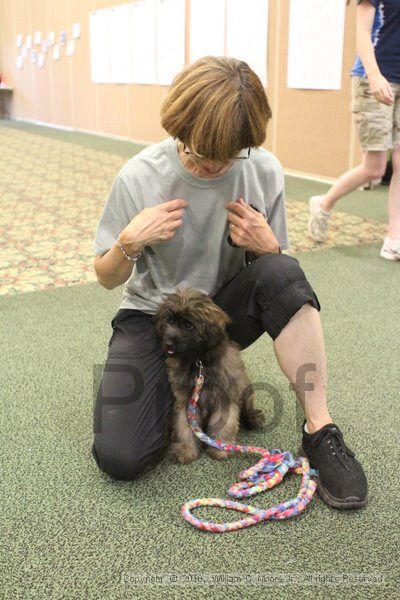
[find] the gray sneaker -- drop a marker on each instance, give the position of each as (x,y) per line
(391,249)
(318,223)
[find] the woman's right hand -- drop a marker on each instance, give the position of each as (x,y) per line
(381,89)
(153,225)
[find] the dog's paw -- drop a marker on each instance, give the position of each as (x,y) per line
(217,454)
(253,419)
(183,453)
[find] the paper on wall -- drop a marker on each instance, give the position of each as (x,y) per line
(38,37)
(40,60)
(247,34)
(63,37)
(28,41)
(24,51)
(45,46)
(120,46)
(19,41)
(52,38)
(34,56)
(315,55)
(56,52)
(143,41)
(170,44)
(99,28)
(76,31)
(20,62)
(70,47)
(207,28)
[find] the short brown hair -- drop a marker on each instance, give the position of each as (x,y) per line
(217,106)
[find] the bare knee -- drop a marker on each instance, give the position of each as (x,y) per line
(376,172)
(375,166)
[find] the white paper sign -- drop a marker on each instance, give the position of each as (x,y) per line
(76,31)
(45,46)
(207,28)
(34,56)
(20,62)
(40,60)
(19,41)
(316,32)
(38,37)
(28,41)
(70,48)
(170,44)
(24,51)
(56,52)
(143,38)
(63,37)
(52,38)
(120,44)
(247,34)
(99,28)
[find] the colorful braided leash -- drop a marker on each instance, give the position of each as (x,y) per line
(265,474)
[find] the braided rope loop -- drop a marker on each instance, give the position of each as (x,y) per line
(268,472)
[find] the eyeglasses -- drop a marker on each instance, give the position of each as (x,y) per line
(189,153)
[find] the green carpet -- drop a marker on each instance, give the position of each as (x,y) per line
(68,531)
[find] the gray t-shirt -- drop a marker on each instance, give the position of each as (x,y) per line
(199,254)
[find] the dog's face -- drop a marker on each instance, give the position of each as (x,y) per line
(188,323)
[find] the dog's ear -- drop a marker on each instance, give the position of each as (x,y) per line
(218,315)
(216,325)
(225,319)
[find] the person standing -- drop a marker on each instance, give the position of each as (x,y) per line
(376,106)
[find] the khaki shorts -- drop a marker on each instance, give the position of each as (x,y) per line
(378,125)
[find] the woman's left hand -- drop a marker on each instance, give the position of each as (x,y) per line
(249,228)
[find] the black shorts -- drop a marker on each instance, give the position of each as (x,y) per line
(134,398)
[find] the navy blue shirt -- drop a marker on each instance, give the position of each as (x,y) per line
(387,38)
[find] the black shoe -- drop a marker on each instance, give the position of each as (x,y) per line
(341,480)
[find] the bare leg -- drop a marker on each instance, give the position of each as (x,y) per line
(394,197)
(301,343)
(373,166)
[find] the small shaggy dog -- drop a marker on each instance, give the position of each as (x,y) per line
(191,326)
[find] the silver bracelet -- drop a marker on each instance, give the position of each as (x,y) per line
(133,259)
